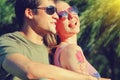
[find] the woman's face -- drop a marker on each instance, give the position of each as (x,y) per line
(68,23)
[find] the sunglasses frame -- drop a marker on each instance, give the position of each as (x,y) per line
(72,10)
(50,10)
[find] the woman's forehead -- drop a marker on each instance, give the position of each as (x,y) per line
(61,6)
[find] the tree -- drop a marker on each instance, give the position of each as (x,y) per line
(7,17)
(100,36)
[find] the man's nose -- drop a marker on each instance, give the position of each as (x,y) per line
(55,15)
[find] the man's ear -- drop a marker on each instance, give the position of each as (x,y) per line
(29,13)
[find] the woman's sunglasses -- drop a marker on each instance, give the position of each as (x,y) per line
(49,10)
(72,10)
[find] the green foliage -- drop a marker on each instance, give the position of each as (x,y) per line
(6,12)
(7,17)
(100,34)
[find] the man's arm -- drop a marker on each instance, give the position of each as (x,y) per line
(21,66)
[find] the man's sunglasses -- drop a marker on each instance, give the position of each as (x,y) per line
(49,10)
(71,10)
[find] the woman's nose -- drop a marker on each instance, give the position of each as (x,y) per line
(70,15)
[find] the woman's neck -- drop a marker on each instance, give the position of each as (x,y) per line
(70,40)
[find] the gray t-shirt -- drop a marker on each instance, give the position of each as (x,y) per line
(15,43)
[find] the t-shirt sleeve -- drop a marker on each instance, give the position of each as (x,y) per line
(8,46)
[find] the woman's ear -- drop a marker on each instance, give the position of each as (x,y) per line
(29,13)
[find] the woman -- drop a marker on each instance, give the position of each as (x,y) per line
(68,54)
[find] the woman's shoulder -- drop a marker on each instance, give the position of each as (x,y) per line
(71,49)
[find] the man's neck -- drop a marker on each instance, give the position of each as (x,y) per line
(32,36)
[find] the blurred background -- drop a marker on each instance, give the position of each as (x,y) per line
(99,36)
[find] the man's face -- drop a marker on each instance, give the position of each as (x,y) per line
(45,20)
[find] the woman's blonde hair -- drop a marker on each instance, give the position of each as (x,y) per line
(50,41)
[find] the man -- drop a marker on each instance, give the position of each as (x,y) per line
(23,54)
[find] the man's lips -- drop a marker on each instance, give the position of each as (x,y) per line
(54,23)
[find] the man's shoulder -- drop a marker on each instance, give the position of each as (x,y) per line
(10,37)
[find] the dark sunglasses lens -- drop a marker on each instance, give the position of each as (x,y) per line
(50,10)
(62,14)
